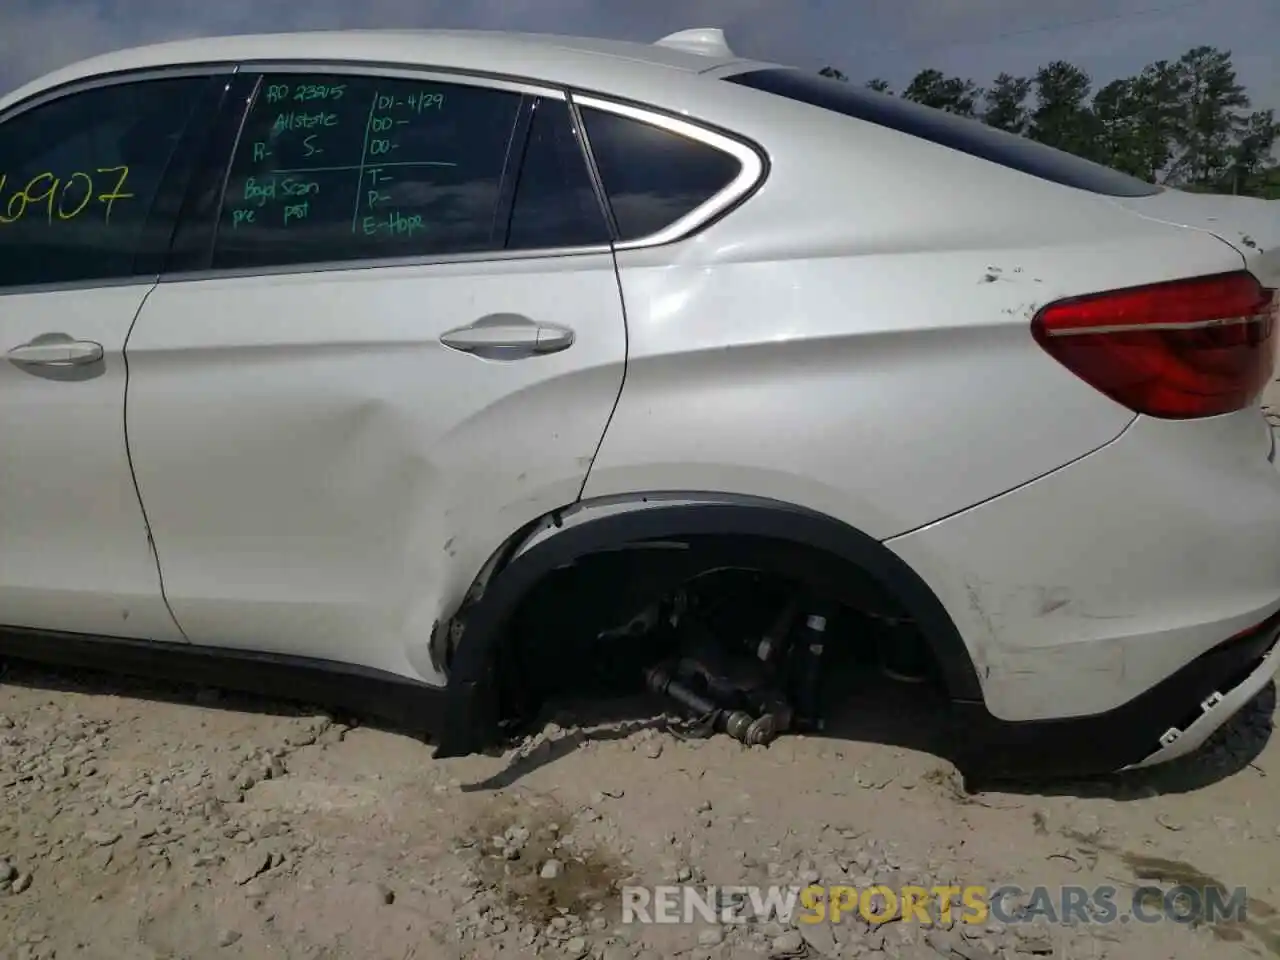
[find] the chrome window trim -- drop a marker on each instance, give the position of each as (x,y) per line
(750,175)
(435,74)
(42,97)
(147,280)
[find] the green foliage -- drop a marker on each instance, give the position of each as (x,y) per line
(952,94)
(1062,117)
(1251,165)
(1006,104)
(1117,112)
(1186,122)
(1157,100)
(1269,184)
(1211,120)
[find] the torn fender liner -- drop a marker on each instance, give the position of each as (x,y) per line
(801,539)
(470,719)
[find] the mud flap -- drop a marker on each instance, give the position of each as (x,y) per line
(471,709)
(470,718)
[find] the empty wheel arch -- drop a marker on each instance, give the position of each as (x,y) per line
(650,546)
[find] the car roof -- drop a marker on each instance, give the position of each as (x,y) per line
(552,58)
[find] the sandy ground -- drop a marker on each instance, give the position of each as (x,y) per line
(141,821)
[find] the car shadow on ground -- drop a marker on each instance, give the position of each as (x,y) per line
(1235,748)
(901,716)
(869,710)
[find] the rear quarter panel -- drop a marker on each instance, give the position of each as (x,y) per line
(1251,225)
(855,338)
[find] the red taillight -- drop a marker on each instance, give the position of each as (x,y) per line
(1191,348)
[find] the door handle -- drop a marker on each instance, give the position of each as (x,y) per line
(56,350)
(508,336)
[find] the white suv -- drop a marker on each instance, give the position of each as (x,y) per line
(327,353)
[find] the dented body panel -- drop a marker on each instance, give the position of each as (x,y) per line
(1079,591)
(821,367)
(325,478)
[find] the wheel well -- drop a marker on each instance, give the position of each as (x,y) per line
(614,565)
(596,623)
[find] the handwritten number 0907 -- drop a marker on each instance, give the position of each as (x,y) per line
(44,187)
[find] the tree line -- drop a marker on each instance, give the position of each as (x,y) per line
(1187,122)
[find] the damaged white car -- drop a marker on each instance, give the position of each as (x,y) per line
(413,370)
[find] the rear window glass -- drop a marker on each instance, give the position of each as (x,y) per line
(968,136)
(653,177)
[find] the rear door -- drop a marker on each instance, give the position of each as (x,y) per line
(398,338)
(89,179)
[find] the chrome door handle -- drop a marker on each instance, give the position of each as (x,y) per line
(508,336)
(56,350)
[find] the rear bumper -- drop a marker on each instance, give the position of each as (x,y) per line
(1171,719)
(1246,680)
(1094,602)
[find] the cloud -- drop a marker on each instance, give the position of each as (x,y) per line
(974,38)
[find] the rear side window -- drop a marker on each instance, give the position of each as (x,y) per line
(79,176)
(967,136)
(555,201)
(652,176)
(340,167)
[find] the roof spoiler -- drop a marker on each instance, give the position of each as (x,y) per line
(704,41)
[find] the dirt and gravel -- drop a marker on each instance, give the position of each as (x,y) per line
(148,821)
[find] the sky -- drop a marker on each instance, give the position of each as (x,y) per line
(892,39)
